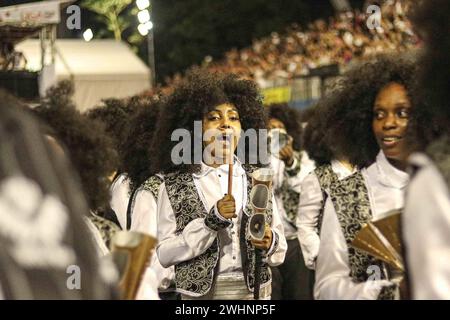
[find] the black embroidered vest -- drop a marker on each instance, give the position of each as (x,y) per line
(326,177)
(152,184)
(196,277)
(289,197)
(351,202)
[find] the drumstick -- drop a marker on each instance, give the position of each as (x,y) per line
(230,169)
(230,178)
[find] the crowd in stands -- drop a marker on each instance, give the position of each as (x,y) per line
(341,40)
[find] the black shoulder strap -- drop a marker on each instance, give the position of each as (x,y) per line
(130,207)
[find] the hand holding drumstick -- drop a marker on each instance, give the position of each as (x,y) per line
(227,205)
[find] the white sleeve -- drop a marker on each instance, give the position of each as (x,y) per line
(144,219)
(144,215)
(119,199)
(309,208)
(277,250)
(426,227)
(333,281)
(174,248)
(277,166)
(300,169)
(148,289)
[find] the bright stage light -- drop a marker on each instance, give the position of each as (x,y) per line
(149,25)
(88,35)
(142,29)
(142,4)
(143,16)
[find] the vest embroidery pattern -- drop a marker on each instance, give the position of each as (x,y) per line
(351,201)
(152,184)
(326,177)
(197,275)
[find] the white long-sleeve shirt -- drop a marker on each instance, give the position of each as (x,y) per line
(144,219)
(309,209)
(386,186)
(211,185)
(306,166)
(426,231)
(120,194)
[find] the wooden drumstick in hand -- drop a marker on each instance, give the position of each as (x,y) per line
(230,169)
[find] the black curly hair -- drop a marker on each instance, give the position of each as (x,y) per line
(291,120)
(191,100)
(90,150)
(313,138)
(306,114)
(351,105)
(432,20)
(136,149)
(116,115)
(60,95)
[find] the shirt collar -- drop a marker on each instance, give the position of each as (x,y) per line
(390,175)
(238,170)
(341,170)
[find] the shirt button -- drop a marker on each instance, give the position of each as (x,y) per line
(220,176)
(232,232)
(234,258)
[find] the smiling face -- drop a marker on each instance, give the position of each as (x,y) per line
(391,113)
(223,124)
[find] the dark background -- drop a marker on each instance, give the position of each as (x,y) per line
(185,31)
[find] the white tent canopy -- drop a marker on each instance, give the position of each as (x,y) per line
(100,69)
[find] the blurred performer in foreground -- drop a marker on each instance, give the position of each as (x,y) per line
(45,248)
(92,154)
(426,220)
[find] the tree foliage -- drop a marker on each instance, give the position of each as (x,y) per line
(109,12)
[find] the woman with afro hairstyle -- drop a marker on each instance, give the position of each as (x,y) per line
(136,151)
(116,115)
(329,169)
(203,230)
(370,131)
(291,280)
(91,152)
(426,220)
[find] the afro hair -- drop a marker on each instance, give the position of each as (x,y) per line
(136,148)
(90,150)
(116,115)
(350,106)
(313,138)
(291,120)
(192,99)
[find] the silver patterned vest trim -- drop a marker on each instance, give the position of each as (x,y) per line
(196,277)
(350,199)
